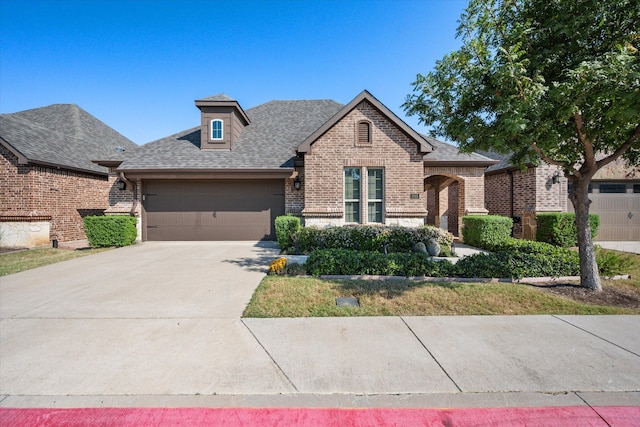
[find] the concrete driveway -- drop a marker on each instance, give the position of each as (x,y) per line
(158,324)
(154,318)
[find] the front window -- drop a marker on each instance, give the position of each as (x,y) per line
(375,186)
(352,178)
(216,129)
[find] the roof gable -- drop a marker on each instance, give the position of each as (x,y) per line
(61,135)
(305,146)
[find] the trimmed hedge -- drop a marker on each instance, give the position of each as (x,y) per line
(286,226)
(486,231)
(108,231)
(350,262)
(560,228)
(514,265)
(370,238)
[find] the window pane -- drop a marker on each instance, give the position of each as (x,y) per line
(375,184)
(352,212)
(216,129)
(613,188)
(636,188)
(375,212)
(352,184)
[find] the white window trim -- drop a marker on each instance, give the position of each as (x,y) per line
(344,189)
(381,201)
(221,130)
(364,199)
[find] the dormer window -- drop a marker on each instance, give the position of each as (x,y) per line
(216,129)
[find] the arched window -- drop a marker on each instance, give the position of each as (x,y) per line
(364,132)
(216,129)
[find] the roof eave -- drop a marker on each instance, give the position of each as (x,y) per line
(461,163)
(210,173)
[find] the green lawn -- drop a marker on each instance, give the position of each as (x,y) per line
(279,296)
(14,262)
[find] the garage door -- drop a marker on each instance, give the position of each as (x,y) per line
(618,205)
(212,210)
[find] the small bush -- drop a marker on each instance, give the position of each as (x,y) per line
(350,262)
(486,231)
(612,263)
(278,267)
(109,231)
(517,265)
(286,227)
(370,238)
(560,228)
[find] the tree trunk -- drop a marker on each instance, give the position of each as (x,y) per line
(589,274)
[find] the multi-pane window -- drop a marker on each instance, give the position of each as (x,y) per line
(375,187)
(216,129)
(352,181)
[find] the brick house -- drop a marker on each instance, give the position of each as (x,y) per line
(521,194)
(331,164)
(48,181)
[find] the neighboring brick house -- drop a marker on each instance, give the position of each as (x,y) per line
(521,194)
(331,164)
(48,181)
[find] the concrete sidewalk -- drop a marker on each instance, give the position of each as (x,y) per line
(158,324)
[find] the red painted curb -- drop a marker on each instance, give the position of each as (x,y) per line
(576,416)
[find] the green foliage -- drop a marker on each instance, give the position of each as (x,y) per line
(612,263)
(370,238)
(108,231)
(518,264)
(539,80)
(560,228)
(486,231)
(286,227)
(350,262)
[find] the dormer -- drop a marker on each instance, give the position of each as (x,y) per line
(222,122)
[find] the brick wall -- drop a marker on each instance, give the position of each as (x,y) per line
(533,192)
(65,195)
(390,149)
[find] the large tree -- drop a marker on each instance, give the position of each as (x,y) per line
(550,80)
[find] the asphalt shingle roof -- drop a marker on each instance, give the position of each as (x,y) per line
(64,135)
(269,142)
(445,152)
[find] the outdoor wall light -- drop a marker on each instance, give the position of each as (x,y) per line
(556,177)
(297,183)
(121,184)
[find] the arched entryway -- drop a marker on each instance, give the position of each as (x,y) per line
(444,195)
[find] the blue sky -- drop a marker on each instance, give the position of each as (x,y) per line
(139,65)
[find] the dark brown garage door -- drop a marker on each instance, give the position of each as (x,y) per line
(212,210)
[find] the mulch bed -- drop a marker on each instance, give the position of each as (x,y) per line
(611,296)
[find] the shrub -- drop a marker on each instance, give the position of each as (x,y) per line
(350,262)
(108,231)
(286,227)
(560,228)
(370,238)
(486,231)
(278,267)
(612,263)
(518,264)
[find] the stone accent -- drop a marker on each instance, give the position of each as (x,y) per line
(24,234)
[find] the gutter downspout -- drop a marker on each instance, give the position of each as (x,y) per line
(134,206)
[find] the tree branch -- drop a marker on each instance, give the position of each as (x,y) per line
(590,157)
(565,166)
(621,150)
